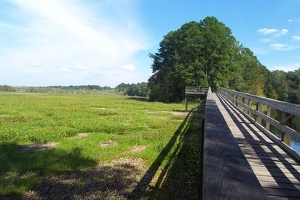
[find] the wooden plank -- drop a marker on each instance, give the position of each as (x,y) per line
(287,186)
(278,180)
(281,198)
(276,171)
(283,192)
(283,169)
(227,174)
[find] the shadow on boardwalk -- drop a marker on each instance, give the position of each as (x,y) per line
(181,176)
(279,173)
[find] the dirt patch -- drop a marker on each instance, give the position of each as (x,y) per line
(114,180)
(107,143)
(179,113)
(37,146)
(4,116)
(159,117)
(137,149)
(81,135)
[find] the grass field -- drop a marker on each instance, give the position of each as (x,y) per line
(97,147)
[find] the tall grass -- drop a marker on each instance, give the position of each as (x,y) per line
(83,129)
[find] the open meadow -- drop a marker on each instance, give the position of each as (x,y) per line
(97,147)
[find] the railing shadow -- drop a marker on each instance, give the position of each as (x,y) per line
(269,159)
(180,177)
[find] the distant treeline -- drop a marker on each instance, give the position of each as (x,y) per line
(139,89)
(81,87)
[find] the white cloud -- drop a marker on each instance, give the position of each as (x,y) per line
(66,70)
(294,20)
(266,31)
(296,38)
(278,46)
(266,40)
(81,36)
(129,67)
(286,68)
(273,31)
(284,31)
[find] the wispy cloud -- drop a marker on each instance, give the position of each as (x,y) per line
(296,37)
(267,31)
(266,40)
(71,37)
(275,32)
(287,68)
(278,46)
(129,67)
(283,31)
(294,20)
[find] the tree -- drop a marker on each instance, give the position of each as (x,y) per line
(196,54)
(253,79)
(278,81)
(139,89)
(219,52)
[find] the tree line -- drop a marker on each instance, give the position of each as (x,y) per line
(134,89)
(206,53)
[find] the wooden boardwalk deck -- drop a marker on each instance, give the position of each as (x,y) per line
(277,172)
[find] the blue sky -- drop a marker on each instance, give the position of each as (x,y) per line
(106,42)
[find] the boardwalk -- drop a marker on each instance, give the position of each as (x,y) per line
(277,172)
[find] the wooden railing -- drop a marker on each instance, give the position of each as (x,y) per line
(190,90)
(194,93)
(253,106)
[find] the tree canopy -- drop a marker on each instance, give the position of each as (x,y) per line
(203,53)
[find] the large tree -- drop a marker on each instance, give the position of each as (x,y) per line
(204,53)
(199,53)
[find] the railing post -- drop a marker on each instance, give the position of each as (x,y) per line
(234,99)
(287,120)
(186,104)
(250,105)
(269,111)
(259,109)
(240,101)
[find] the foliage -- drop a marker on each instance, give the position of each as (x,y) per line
(80,89)
(203,53)
(285,86)
(7,88)
(139,89)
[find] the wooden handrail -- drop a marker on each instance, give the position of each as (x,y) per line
(244,103)
(196,90)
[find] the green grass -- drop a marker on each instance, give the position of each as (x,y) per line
(46,139)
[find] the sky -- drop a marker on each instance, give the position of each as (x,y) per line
(107,42)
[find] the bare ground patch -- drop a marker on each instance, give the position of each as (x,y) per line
(81,135)
(159,117)
(107,143)
(36,146)
(114,180)
(137,149)
(177,113)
